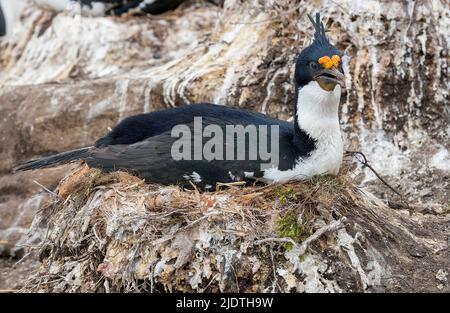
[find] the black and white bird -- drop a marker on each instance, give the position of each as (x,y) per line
(144,144)
(113,7)
(10,10)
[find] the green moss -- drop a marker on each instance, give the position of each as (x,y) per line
(289,227)
(285,194)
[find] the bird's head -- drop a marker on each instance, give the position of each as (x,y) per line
(320,61)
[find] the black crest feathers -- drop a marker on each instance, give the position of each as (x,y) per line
(319,35)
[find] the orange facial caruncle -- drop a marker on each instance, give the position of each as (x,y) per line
(328,62)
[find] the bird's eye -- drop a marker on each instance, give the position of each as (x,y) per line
(313,65)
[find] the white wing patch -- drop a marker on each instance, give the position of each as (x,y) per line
(195,177)
(234,178)
(144,3)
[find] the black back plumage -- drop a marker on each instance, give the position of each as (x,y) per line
(151,158)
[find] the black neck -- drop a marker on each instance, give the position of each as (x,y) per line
(296,126)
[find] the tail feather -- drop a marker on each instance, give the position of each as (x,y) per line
(53,160)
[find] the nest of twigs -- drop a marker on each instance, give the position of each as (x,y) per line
(113,232)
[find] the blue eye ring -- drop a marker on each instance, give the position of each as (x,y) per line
(314,65)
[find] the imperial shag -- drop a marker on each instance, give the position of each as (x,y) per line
(114,7)
(151,145)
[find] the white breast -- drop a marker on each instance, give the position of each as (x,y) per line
(317,114)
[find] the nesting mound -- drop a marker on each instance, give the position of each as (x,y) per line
(113,232)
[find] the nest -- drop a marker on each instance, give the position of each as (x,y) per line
(115,233)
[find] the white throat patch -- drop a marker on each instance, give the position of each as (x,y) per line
(317,115)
